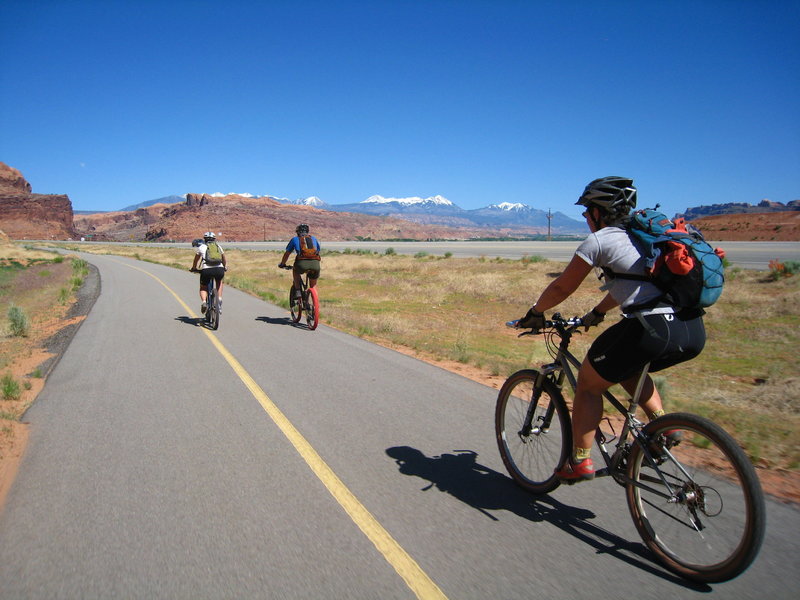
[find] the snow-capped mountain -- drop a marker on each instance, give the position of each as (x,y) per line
(413,201)
(509,207)
(221,195)
(311,201)
(379,205)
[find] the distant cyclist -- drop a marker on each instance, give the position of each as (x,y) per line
(210,256)
(308,259)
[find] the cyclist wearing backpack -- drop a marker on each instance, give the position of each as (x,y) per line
(652,330)
(211,258)
(308,259)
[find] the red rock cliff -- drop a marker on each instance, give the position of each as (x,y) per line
(24,215)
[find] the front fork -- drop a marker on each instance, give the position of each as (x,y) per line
(542,424)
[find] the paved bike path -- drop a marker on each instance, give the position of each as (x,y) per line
(153,471)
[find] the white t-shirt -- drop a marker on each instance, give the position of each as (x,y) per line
(611,247)
(201,250)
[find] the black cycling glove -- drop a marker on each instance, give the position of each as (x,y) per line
(533,319)
(592,318)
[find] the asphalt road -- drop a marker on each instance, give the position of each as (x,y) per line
(745,255)
(268,461)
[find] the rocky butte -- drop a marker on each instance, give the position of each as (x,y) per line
(25,215)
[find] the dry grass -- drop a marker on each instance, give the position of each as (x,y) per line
(32,282)
(454,309)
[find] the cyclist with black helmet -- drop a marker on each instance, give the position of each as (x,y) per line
(212,264)
(659,334)
(308,259)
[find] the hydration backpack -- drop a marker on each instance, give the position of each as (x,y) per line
(308,250)
(213,255)
(678,260)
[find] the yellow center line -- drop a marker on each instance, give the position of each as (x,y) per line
(416,579)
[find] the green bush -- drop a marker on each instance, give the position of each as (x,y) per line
(11,389)
(19,325)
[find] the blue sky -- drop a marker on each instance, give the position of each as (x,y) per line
(115,103)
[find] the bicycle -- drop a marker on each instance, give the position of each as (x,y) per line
(211,318)
(309,302)
(676,469)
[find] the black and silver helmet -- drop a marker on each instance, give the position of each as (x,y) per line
(616,196)
(302,229)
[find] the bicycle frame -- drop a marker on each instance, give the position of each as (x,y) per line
(561,369)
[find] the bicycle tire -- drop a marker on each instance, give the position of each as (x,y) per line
(715,530)
(210,295)
(532,459)
(214,308)
(296,308)
(312,312)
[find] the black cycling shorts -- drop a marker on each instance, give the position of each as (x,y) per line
(621,351)
(216,272)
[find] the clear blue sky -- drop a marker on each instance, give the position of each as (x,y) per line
(115,103)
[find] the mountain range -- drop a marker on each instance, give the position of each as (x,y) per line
(434,210)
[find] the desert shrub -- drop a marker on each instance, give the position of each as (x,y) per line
(10,388)
(18,322)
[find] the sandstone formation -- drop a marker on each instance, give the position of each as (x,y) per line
(783,226)
(24,215)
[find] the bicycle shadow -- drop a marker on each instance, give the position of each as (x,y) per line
(199,321)
(281,321)
(484,489)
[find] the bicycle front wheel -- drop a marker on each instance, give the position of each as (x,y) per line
(312,311)
(705,519)
(532,426)
(295,306)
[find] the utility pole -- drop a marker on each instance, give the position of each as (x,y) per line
(549,218)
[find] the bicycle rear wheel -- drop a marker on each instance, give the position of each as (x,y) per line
(295,306)
(711,527)
(213,308)
(532,426)
(312,311)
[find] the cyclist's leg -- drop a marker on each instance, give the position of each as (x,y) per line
(297,273)
(650,400)
(313,275)
(587,409)
(204,286)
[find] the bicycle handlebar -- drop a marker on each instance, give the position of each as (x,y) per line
(287,267)
(557,322)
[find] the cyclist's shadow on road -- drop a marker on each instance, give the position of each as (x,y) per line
(190,320)
(460,475)
(281,321)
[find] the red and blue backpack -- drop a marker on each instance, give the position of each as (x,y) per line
(678,260)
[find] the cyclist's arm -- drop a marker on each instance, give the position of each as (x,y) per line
(286,256)
(564,285)
(194,264)
(606,304)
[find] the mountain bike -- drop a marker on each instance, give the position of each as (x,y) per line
(692,492)
(308,302)
(211,318)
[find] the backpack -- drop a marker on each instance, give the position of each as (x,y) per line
(678,260)
(213,255)
(308,250)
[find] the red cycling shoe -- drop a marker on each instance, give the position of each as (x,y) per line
(573,473)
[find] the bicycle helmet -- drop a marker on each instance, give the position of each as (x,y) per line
(209,235)
(615,196)
(301,229)
(197,242)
